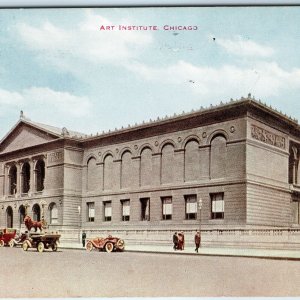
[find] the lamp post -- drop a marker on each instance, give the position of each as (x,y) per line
(200,207)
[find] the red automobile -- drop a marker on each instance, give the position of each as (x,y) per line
(108,244)
(6,235)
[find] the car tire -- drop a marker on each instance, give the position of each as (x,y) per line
(40,247)
(54,247)
(120,245)
(25,246)
(109,247)
(89,246)
(11,243)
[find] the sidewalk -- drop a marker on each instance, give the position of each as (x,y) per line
(229,252)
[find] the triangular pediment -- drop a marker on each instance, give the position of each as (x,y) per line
(25,135)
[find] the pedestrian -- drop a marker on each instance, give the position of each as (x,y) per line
(197,240)
(180,241)
(175,241)
(83,239)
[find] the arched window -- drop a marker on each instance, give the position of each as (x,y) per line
(12,180)
(218,154)
(25,177)
(9,217)
(53,213)
(126,170)
(40,175)
(192,161)
(146,167)
(108,172)
(167,164)
(21,215)
(92,177)
(36,210)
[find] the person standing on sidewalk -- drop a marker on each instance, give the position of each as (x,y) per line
(175,241)
(197,240)
(83,239)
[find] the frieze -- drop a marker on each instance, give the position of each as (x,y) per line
(55,157)
(267,137)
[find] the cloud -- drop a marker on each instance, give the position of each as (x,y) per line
(241,47)
(11,99)
(262,79)
(84,42)
(41,98)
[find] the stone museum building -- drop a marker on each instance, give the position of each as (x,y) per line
(227,168)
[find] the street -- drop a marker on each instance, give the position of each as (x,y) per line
(76,273)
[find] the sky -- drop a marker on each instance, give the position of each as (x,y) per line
(60,69)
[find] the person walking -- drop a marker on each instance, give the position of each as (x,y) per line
(83,239)
(175,241)
(197,240)
(180,245)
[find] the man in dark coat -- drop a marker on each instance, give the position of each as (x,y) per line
(175,240)
(197,240)
(83,239)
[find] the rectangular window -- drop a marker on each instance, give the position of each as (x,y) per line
(125,210)
(91,211)
(145,209)
(190,207)
(166,208)
(107,211)
(217,206)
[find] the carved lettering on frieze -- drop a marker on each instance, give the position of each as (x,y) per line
(55,157)
(267,137)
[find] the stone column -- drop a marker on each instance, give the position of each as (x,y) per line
(101,176)
(6,181)
(294,171)
(19,179)
(117,174)
(156,179)
(297,173)
(136,163)
(84,179)
(46,183)
(32,186)
(179,170)
(204,162)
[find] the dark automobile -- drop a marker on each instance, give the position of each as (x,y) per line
(41,241)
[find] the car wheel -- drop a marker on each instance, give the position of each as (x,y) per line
(40,247)
(11,243)
(89,246)
(120,245)
(1,243)
(109,247)
(25,246)
(54,247)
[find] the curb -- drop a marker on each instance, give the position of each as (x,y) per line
(201,254)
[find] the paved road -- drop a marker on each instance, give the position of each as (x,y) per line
(75,273)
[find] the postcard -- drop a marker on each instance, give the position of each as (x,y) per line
(150,152)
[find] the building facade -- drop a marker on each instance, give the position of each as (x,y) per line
(226,167)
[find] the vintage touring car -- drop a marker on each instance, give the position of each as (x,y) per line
(107,244)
